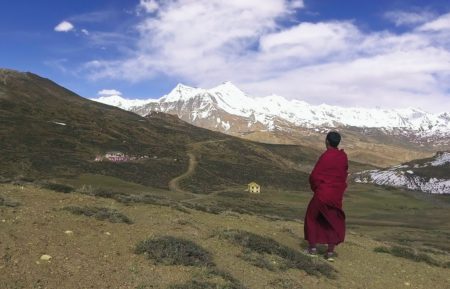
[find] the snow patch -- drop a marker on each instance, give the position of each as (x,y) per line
(59,123)
(441,159)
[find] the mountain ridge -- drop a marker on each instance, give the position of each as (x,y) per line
(430,175)
(276,112)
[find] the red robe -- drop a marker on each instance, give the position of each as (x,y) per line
(325,220)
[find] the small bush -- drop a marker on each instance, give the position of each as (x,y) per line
(5,202)
(175,251)
(382,250)
(102,214)
(285,284)
(203,280)
(58,187)
(270,251)
(193,284)
(407,253)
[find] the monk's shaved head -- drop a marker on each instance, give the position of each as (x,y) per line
(333,138)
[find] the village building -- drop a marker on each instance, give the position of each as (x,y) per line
(254,188)
(116,156)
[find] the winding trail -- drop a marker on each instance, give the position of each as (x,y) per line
(174,184)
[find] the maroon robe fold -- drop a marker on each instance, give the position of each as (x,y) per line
(325,219)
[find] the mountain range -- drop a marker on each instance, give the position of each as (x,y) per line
(47,131)
(225,105)
(381,137)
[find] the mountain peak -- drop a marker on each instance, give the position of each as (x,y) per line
(182,86)
(119,101)
(181,92)
(228,88)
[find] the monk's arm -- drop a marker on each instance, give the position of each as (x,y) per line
(316,176)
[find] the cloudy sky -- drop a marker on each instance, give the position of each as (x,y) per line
(381,53)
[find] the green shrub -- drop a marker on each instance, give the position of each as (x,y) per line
(270,251)
(175,251)
(58,187)
(99,213)
(285,284)
(407,253)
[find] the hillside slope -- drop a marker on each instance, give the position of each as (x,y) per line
(430,175)
(375,136)
(47,131)
(41,226)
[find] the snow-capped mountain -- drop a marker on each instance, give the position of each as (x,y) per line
(123,103)
(426,175)
(228,109)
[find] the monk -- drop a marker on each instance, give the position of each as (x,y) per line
(325,219)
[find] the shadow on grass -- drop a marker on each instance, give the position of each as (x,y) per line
(269,254)
(6,202)
(408,253)
(57,187)
(99,213)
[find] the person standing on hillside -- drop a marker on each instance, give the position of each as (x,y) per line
(325,219)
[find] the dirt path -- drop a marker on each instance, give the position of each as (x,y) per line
(174,184)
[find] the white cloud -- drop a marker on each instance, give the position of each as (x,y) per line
(200,35)
(149,6)
(440,24)
(401,18)
(64,26)
(85,31)
(309,41)
(108,92)
(205,42)
(297,4)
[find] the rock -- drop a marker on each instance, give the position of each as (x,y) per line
(407,284)
(45,257)
(108,233)
(68,232)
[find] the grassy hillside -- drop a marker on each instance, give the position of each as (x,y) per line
(47,131)
(362,145)
(44,244)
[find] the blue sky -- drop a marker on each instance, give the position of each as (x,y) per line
(351,53)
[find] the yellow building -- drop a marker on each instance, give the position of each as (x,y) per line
(254,188)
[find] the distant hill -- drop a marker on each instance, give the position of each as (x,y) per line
(430,175)
(48,131)
(394,135)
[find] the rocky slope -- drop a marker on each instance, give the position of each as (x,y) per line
(431,175)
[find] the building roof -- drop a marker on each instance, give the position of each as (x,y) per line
(253,184)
